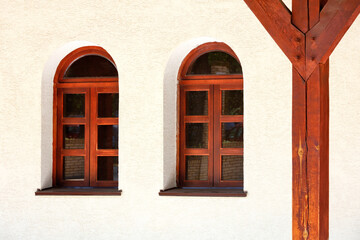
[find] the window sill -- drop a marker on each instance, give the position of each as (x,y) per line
(78,191)
(203,192)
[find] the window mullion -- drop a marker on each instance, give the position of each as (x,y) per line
(217,137)
(92,135)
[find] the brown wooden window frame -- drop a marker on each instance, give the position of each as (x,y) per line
(214,84)
(91,87)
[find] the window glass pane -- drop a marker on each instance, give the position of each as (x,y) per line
(73,137)
(214,63)
(91,66)
(232,168)
(74,105)
(196,103)
(108,137)
(232,135)
(232,102)
(196,135)
(107,168)
(73,168)
(108,105)
(197,168)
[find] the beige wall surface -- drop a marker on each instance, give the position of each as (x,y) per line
(141,35)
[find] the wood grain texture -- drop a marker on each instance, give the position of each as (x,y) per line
(335,19)
(318,151)
(323,23)
(299,158)
(276,18)
(203,192)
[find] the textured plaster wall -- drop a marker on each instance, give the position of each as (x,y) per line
(140,36)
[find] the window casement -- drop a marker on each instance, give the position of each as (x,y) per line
(210,147)
(86,96)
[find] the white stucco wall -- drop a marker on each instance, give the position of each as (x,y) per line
(141,36)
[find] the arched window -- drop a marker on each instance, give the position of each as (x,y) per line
(210,150)
(86,120)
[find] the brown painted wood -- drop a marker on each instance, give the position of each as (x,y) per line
(335,19)
(276,18)
(90,87)
(214,84)
(323,23)
(311,155)
(318,151)
(299,157)
(204,192)
(300,14)
(78,192)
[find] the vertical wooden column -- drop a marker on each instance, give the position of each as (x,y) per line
(318,151)
(300,209)
(308,38)
(310,142)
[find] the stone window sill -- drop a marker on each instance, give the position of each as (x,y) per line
(77,191)
(207,192)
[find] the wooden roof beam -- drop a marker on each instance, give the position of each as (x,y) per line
(335,19)
(276,18)
(305,14)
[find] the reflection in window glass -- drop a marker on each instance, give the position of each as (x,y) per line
(73,137)
(232,168)
(214,63)
(232,102)
(108,105)
(74,105)
(196,168)
(196,135)
(91,66)
(232,135)
(107,168)
(196,103)
(108,137)
(73,168)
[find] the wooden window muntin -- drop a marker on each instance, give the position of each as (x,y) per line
(214,84)
(90,87)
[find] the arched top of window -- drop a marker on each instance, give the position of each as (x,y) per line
(214,63)
(89,66)
(214,60)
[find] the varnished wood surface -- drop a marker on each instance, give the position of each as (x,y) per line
(213,84)
(276,19)
(78,191)
(335,19)
(204,192)
(321,24)
(90,87)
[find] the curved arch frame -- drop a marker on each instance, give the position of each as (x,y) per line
(75,55)
(81,83)
(231,82)
(200,50)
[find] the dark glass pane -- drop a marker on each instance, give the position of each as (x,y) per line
(108,105)
(73,137)
(196,135)
(232,102)
(74,105)
(232,168)
(197,103)
(214,63)
(91,66)
(108,137)
(232,135)
(196,168)
(107,168)
(73,168)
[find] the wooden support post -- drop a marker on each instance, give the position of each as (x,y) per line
(311,154)
(308,36)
